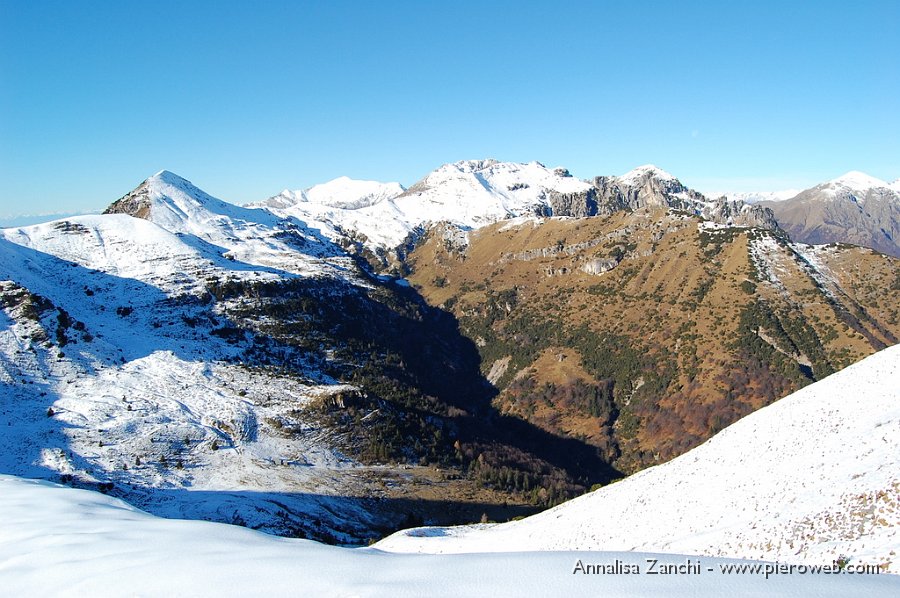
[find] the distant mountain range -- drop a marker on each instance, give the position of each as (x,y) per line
(855,208)
(474,193)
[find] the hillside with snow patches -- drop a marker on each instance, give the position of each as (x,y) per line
(808,479)
(117,369)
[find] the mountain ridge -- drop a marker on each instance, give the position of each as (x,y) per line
(474,193)
(853,208)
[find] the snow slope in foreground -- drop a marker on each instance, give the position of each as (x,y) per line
(59,541)
(811,477)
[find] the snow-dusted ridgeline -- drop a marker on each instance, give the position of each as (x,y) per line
(752,197)
(469,193)
(473,193)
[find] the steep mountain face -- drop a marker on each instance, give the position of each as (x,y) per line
(855,208)
(809,479)
(644,332)
(650,187)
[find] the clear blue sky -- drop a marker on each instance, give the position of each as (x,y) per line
(248,98)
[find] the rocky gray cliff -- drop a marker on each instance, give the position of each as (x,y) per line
(648,187)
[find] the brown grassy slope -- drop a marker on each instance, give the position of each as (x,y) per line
(689,330)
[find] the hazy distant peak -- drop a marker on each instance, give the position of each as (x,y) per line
(752,197)
(342,192)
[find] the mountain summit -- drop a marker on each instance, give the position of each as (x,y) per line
(255,236)
(858,181)
(853,208)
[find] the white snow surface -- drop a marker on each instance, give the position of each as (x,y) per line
(811,477)
(250,235)
(59,541)
(751,197)
(342,192)
(635,175)
(858,181)
(469,194)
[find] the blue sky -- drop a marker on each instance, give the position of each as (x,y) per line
(246,99)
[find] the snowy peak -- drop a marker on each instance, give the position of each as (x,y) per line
(854,208)
(179,206)
(347,193)
(498,177)
(855,186)
(472,165)
(468,193)
(251,235)
(642,173)
(163,192)
(342,192)
(858,181)
(170,178)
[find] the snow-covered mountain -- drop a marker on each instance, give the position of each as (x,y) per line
(854,208)
(651,187)
(57,541)
(342,192)
(124,344)
(474,193)
(807,479)
(469,193)
(222,229)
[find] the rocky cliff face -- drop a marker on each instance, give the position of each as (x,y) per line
(649,187)
(135,203)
